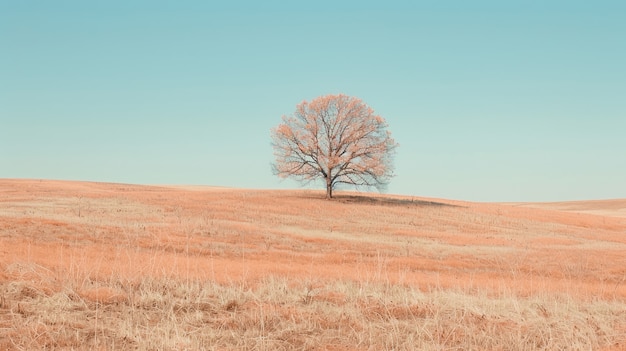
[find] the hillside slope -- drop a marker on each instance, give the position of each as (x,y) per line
(608,208)
(377,261)
(229,234)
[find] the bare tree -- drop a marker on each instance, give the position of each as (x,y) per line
(336,138)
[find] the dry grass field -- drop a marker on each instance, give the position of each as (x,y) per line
(93,266)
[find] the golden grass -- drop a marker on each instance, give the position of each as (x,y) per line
(279,314)
(113,266)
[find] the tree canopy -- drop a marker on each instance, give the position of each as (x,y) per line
(336,138)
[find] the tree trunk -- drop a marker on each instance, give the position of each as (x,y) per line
(329,189)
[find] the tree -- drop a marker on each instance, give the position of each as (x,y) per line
(336,138)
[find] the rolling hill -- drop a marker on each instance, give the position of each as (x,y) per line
(195,266)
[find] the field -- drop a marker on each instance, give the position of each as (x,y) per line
(95,266)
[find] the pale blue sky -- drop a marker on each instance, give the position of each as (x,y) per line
(489,100)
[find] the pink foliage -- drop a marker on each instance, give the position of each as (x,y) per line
(337,138)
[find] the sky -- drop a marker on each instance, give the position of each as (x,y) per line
(488,100)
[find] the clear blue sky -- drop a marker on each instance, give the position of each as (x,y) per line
(489,100)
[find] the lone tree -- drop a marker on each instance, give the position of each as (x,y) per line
(336,138)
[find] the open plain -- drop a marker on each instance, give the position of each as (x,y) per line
(115,266)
